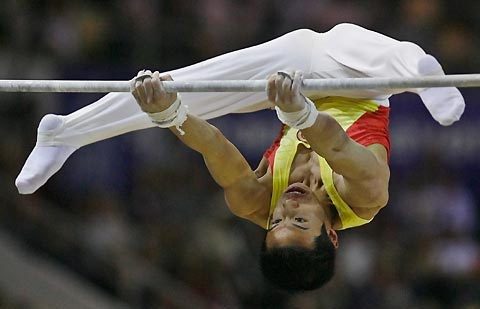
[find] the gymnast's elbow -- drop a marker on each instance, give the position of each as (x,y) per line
(243,211)
(380,196)
(383,199)
(372,208)
(248,204)
(373,196)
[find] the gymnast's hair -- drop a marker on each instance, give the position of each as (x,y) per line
(298,269)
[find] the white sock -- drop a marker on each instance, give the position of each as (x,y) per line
(446,105)
(44,161)
(59,136)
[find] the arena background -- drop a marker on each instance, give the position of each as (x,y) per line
(136,222)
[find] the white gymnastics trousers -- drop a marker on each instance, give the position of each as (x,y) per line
(346,51)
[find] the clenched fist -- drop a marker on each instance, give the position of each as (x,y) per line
(148,91)
(283,90)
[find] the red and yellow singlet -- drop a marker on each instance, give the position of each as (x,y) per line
(364,121)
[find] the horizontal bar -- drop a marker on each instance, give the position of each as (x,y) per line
(459,80)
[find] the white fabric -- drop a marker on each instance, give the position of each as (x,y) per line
(446,104)
(345,51)
(167,114)
(299,120)
(174,116)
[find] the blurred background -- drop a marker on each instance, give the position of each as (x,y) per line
(136,222)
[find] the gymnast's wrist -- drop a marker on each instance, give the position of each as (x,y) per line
(301,119)
(174,116)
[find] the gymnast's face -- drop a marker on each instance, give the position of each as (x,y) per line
(297,219)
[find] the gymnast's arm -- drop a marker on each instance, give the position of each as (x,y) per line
(364,171)
(245,194)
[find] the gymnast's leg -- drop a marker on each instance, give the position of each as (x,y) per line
(117,113)
(364,53)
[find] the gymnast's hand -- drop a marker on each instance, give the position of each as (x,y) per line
(283,90)
(148,91)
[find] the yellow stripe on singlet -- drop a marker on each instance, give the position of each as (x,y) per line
(347,216)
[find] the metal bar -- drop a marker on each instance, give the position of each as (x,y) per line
(459,80)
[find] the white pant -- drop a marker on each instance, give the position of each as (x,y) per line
(344,51)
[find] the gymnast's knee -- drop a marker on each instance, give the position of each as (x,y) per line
(300,35)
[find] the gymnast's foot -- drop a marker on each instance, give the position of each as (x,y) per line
(446,104)
(45,160)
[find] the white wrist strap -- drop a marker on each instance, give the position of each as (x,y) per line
(302,119)
(174,116)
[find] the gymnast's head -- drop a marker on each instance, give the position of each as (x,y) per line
(298,253)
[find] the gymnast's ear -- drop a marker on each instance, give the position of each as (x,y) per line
(332,234)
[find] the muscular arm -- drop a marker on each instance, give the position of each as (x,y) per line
(246,197)
(364,170)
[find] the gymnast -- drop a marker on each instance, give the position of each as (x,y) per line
(327,171)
